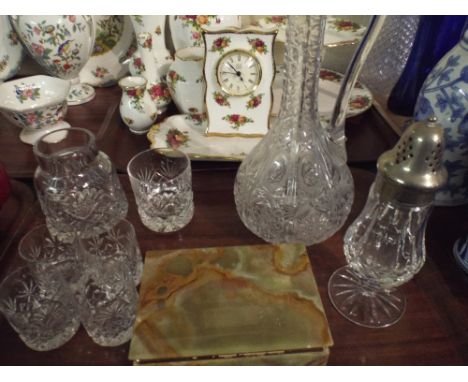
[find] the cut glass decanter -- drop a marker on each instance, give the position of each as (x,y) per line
(294,186)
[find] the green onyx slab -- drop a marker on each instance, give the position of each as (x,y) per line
(230,305)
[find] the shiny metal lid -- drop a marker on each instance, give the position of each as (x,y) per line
(413,169)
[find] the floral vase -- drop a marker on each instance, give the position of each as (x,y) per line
(186,83)
(186,31)
(61,45)
(11,50)
(113,45)
(156,25)
(292,187)
(137,109)
(153,72)
(444,95)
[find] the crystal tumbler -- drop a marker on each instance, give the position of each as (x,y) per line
(77,185)
(49,258)
(119,243)
(108,309)
(162,183)
(44,315)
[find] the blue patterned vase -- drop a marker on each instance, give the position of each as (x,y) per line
(444,94)
(435,36)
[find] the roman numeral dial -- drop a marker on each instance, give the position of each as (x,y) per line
(238,73)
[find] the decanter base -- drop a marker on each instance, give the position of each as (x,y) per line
(79,94)
(363,304)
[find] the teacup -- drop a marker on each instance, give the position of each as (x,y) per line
(186,82)
(37,104)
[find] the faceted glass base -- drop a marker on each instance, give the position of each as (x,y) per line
(362,303)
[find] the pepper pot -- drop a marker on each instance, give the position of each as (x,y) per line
(137,109)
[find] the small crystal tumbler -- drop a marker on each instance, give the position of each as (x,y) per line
(44,315)
(77,185)
(119,243)
(162,183)
(108,308)
(49,258)
(384,246)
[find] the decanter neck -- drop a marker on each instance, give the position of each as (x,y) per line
(304,36)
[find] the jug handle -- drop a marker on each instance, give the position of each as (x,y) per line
(336,125)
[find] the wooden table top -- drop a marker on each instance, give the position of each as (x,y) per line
(101,116)
(433,330)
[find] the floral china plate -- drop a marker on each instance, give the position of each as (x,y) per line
(338,31)
(114,39)
(184,134)
(329,86)
(188,134)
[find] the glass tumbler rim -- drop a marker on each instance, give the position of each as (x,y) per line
(161,150)
(41,227)
(40,154)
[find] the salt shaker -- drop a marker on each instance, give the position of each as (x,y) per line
(384,246)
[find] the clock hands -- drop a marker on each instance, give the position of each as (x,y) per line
(238,73)
(233,68)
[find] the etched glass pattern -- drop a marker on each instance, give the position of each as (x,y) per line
(294,186)
(119,243)
(44,315)
(385,244)
(162,184)
(384,248)
(77,185)
(109,305)
(389,54)
(49,258)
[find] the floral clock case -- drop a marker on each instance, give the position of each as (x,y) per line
(239,71)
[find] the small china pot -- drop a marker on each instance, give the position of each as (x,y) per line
(137,109)
(185,81)
(37,104)
(186,31)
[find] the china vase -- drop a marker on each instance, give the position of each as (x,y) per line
(293,187)
(186,83)
(153,72)
(444,95)
(113,44)
(61,45)
(137,109)
(156,26)
(11,50)
(186,31)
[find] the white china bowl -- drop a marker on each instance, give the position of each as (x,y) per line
(37,104)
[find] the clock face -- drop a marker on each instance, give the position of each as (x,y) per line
(238,72)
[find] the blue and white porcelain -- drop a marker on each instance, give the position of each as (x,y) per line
(444,95)
(11,50)
(460,251)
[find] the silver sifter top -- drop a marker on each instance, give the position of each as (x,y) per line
(413,169)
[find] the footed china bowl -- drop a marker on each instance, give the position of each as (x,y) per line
(37,104)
